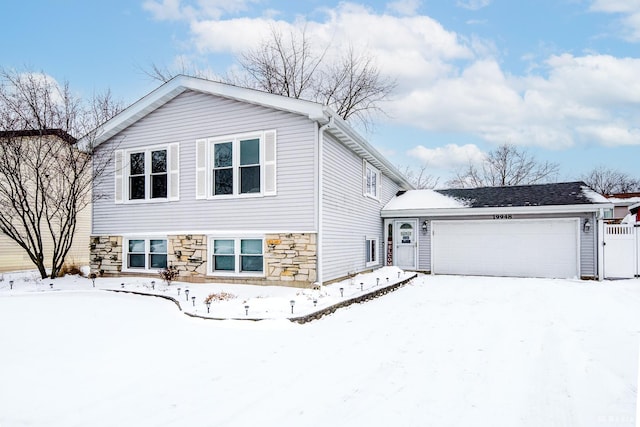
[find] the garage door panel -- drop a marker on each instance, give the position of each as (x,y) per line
(519,248)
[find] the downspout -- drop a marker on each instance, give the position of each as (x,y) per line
(319,245)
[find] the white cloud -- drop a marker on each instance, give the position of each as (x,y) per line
(473,4)
(549,111)
(450,83)
(614,134)
(616,6)
(448,157)
(174,10)
(630,11)
(404,7)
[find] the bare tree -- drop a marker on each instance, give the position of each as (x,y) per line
(283,65)
(419,177)
(45,179)
(290,65)
(609,181)
(507,165)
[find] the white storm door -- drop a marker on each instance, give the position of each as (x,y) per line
(405,244)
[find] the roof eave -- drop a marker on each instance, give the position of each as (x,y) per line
(350,138)
(179,84)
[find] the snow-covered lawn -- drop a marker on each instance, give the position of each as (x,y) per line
(441,351)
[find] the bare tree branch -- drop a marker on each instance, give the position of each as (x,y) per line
(507,165)
(609,181)
(290,65)
(419,177)
(45,179)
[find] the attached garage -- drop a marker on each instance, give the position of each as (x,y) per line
(519,248)
(548,230)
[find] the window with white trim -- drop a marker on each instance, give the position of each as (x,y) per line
(236,165)
(371,251)
(370,180)
(243,256)
(145,254)
(147,174)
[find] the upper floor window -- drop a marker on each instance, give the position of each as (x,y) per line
(371,180)
(236,167)
(147,174)
(239,165)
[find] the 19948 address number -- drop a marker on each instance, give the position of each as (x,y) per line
(503,216)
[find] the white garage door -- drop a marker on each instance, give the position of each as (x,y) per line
(515,248)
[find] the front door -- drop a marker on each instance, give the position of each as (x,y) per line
(405,244)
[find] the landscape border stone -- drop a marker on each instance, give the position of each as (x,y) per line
(378,292)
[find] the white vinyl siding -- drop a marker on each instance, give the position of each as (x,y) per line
(348,216)
(190,119)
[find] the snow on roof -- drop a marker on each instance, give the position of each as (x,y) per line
(423,199)
(623,202)
(593,196)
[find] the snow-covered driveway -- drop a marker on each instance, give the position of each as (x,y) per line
(443,351)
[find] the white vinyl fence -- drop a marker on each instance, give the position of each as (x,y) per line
(621,251)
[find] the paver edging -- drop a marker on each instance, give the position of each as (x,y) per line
(300,319)
(357,300)
(124,291)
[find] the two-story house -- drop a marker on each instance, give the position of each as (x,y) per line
(231,184)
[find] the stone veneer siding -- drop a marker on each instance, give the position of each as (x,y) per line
(290,259)
(105,257)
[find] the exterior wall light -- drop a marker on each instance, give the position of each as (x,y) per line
(425,227)
(587,226)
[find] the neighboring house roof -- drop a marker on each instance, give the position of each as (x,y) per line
(322,114)
(557,197)
(38,132)
(634,208)
(624,199)
(623,195)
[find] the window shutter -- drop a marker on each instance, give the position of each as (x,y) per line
(174,172)
(118,173)
(379,185)
(270,176)
(364,177)
(201,169)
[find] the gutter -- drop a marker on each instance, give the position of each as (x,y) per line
(468,211)
(320,227)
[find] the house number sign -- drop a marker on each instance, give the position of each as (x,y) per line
(503,216)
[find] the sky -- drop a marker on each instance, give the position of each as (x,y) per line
(558,78)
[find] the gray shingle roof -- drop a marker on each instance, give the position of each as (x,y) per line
(564,193)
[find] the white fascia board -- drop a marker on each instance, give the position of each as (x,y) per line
(313,110)
(179,84)
(136,111)
(453,212)
(635,205)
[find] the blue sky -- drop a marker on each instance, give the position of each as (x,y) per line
(557,77)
